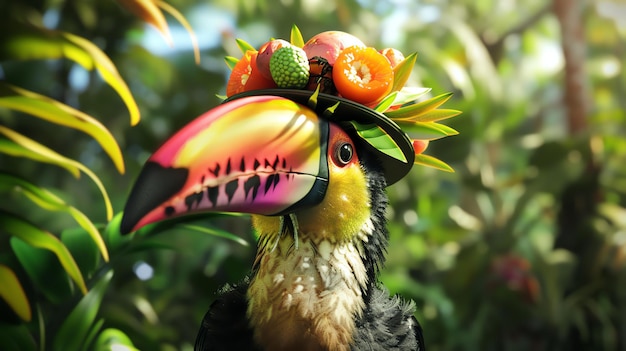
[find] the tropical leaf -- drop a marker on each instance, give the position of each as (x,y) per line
(12,292)
(114,239)
(433,162)
(296,37)
(385,103)
(93,333)
(40,238)
(10,148)
(409,94)
(44,154)
(231,62)
(45,272)
(427,130)
(244,46)
(112,339)
(149,12)
(149,246)
(183,21)
(76,327)
(47,200)
(449,131)
(176,222)
(19,99)
(378,138)
(216,232)
(412,111)
(435,115)
(17,338)
(83,249)
(402,72)
(21,42)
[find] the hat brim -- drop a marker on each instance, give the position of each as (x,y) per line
(347,111)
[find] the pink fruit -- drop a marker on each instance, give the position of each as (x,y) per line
(265,54)
(393,55)
(329,44)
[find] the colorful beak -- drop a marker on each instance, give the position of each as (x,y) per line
(261,154)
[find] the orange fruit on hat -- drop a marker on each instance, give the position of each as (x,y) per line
(246,76)
(362,74)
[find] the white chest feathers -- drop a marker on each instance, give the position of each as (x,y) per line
(307,298)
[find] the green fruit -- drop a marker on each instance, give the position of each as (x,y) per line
(289,67)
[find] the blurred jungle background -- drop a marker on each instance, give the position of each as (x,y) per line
(522,248)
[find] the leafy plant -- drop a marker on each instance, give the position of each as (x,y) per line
(46,309)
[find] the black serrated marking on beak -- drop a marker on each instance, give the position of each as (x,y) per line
(268,182)
(276,180)
(242,166)
(169,211)
(273,164)
(253,183)
(272,182)
(256,163)
(231,188)
(288,175)
(215,171)
(228,166)
(211,193)
(193,200)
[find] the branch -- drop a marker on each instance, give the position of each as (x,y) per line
(576,96)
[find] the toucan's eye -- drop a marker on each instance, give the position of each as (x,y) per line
(344,153)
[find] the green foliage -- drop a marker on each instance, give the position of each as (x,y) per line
(522,248)
(63,278)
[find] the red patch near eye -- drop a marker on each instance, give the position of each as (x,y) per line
(340,147)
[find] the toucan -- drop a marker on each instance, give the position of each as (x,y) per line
(315,189)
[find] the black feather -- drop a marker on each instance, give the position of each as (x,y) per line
(387,324)
(225,326)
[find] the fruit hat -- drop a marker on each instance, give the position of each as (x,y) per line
(351,84)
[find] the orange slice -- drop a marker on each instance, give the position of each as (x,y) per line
(362,74)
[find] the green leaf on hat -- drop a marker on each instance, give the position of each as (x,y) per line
(411,112)
(427,130)
(296,37)
(244,46)
(433,162)
(409,94)
(402,72)
(331,110)
(312,103)
(378,138)
(386,102)
(436,115)
(231,62)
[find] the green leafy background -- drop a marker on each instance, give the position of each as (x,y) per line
(522,248)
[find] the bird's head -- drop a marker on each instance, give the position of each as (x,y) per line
(271,153)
